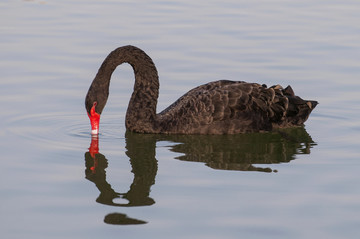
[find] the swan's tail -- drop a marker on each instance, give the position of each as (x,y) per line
(298,110)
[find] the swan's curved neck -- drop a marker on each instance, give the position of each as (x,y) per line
(141,112)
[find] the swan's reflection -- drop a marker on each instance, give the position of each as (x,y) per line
(228,152)
(144,168)
(240,152)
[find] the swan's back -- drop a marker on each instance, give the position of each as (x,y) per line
(231,107)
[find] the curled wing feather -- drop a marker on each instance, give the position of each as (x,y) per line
(231,107)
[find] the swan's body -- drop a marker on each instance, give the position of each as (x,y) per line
(219,107)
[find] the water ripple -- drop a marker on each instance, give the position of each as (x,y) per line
(61,129)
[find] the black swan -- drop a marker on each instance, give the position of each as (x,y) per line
(219,107)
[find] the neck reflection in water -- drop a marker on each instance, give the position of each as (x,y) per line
(144,167)
(228,152)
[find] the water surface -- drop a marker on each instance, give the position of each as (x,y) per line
(58,182)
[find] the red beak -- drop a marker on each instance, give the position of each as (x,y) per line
(94,120)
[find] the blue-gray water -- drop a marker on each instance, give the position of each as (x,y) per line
(299,184)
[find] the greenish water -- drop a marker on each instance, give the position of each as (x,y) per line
(58,182)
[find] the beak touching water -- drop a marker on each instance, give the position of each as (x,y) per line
(94,120)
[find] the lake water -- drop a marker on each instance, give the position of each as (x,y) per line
(302,183)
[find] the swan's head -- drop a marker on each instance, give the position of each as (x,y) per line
(94,119)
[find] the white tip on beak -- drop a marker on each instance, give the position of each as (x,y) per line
(95,132)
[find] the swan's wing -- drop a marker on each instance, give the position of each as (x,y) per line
(265,107)
(231,107)
(253,106)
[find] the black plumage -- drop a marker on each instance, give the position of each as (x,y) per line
(219,107)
